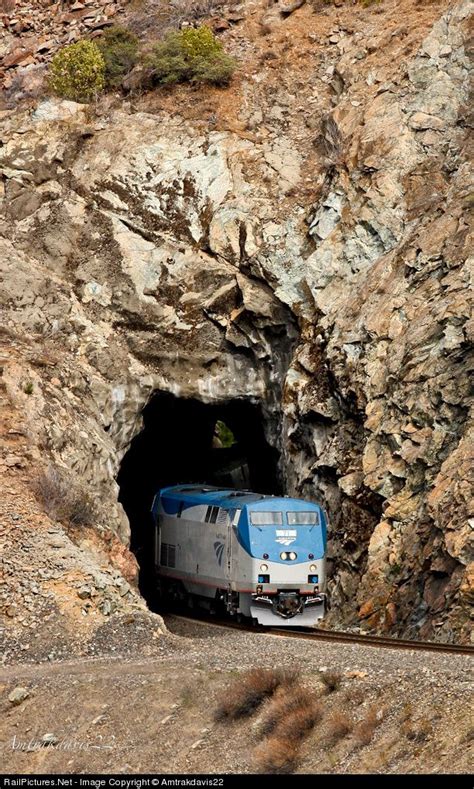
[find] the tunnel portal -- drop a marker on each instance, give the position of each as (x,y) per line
(186,440)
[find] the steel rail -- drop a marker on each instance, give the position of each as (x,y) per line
(337,636)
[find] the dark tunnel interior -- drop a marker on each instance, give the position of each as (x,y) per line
(185,440)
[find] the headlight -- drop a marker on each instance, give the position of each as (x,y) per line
(312,568)
(292,556)
(264,568)
(284,556)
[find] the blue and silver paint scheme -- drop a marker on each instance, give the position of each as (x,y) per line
(264,556)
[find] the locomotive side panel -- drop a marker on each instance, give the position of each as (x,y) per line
(195,551)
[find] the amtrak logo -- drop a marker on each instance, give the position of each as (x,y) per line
(219,549)
(286,536)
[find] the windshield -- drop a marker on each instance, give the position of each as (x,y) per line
(266,518)
(302,518)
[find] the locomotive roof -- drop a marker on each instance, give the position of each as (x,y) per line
(228,497)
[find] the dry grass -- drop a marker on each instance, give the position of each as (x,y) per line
(406,712)
(417,731)
(365,728)
(276,755)
(297,709)
(331,680)
(355,695)
(287,719)
(339,725)
(63,500)
(249,691)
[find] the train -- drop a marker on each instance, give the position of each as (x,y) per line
(256,556)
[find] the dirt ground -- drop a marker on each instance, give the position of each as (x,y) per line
(157,714)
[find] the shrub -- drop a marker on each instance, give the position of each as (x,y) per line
(62,500)
(77,71)
(331,680)
(224,434)
(290,710)
(249,691)
(289,715)
(364,730)
(417,731)
(28,387)
(119,49)
(191,55)
(276,755)
(339,725)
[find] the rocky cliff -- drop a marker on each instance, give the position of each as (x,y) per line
(300,240)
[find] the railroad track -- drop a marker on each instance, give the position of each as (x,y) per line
(318,634)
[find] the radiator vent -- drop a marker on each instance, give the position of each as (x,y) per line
(168,555)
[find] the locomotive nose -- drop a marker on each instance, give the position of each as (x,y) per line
(288,604)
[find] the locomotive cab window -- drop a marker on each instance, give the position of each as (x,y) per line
(302,518)
(266,518)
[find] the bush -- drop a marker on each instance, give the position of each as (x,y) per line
(364,730)
(224,434)
(276,755)
(78,71)
(289,717)
(339,725)
(119,49)
(248,692)
(290,710)
(63,501)
(331,680)
(191,55)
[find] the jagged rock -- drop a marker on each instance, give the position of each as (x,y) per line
(18,695)
(191,254)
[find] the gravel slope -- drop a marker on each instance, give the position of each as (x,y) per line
(156,714)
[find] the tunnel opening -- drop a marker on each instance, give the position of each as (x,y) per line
(186,440)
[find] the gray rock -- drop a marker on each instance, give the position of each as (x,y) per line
(18,695)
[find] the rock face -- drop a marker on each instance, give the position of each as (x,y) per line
(311,255)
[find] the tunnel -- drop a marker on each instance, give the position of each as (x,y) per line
(186,440)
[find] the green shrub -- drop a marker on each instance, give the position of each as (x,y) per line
(191,55)
(119,48)
(78,71)
(224,434)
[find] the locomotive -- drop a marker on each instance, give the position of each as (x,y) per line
(258,556)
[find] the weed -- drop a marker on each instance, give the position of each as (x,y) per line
(289,715)
(63,500)
(187,696)
(268,55)
(276,755)
(406,713)
(28,387)
(290,709)
(355,695)
(364,730)
(249,691)
(418,731)
(331,680)
(338,726)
